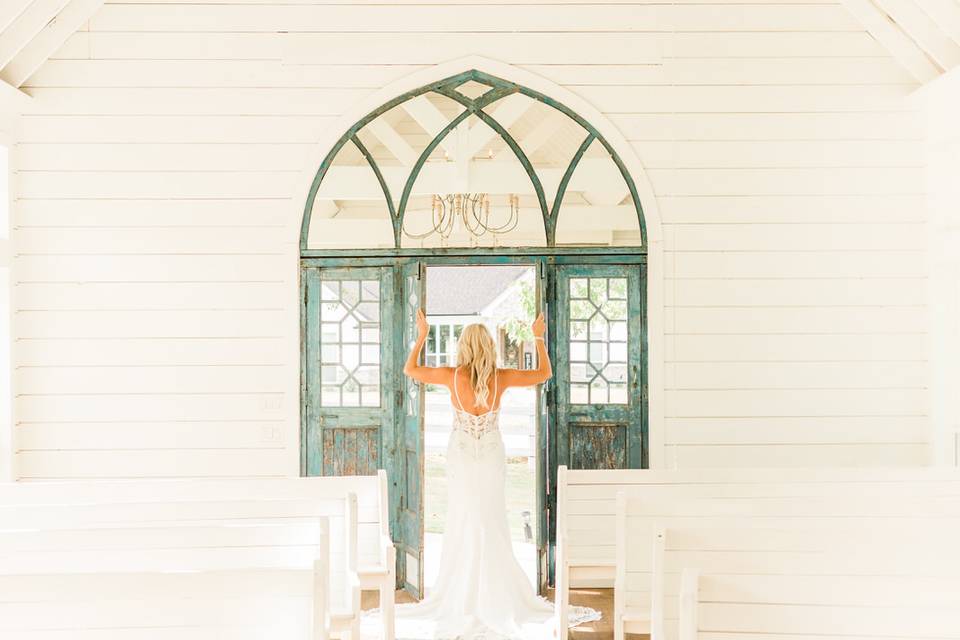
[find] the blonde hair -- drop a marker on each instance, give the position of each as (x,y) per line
(477,353)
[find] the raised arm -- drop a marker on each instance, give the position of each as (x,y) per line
(530,377)
(430,375)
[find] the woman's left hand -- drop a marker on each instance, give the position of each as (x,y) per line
(539,326)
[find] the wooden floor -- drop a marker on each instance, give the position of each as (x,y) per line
(601,599)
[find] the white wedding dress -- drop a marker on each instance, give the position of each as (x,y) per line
(481,591)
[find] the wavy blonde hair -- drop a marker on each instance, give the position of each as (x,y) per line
(477,353)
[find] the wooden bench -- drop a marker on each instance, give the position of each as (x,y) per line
(586,506)
(780,533)
(192,558)
(905,585)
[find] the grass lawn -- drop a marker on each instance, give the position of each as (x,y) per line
(520,495)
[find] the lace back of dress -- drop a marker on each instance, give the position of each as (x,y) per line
(475,425)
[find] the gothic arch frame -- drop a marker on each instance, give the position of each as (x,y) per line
(499,89)
(640,187)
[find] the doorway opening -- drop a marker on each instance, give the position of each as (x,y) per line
(504,298)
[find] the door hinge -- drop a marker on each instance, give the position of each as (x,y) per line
(398,397)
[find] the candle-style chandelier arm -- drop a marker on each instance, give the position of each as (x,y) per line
(473,211)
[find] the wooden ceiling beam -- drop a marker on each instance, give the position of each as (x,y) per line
(44,44)
(10,10)
(536,137)
(946,14)
(430,119)
(26,26)
(393,141)
(921,28)
(903,49)
(508,111)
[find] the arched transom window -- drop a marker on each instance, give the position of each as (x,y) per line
(471,161)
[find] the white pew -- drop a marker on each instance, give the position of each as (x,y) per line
(841,594)
(854,535)
(586,506)
(180,558)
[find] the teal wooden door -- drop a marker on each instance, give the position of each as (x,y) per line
(600,347)
(348,369)
(408,478)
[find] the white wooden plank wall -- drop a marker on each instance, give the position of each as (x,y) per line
(156,168)
(940,102)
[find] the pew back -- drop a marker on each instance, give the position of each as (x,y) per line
(190,557)
(856,535)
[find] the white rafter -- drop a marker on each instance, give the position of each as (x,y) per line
(923,36)
(43,44)
(9,10)
(946,15)
(923,31)
(508,111)
(26,26)
(393,141)
(893,38)
(430,119)
(536,137)
(357,182)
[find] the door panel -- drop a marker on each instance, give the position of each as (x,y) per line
(348,365)
(599,342)
(410,438)
(543,456)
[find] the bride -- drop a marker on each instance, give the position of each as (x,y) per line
(481,591)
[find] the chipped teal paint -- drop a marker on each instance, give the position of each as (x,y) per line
(543,457)
(383,184)
(587,433)
(409,437)
(562,187)
(472,106)
(344,440)
(400,436)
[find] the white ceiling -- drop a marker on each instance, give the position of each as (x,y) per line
(921,35)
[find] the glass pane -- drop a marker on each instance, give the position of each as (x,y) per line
(350,343)
(473,196)
(597,209)
(411,304)
(350,210)
(548,137)
(370,396)
(597,345)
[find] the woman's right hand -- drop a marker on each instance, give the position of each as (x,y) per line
(423,327)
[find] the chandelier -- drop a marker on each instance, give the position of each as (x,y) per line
(473,212)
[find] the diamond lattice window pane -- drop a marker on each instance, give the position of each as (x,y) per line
(578,352)
(350,343)
(579,394)
(370,291)
(598,391)
(618,394)
(330,291)
(578,288)
(370,395)
(581,309)
(598,336)
(598,291)
(330,395)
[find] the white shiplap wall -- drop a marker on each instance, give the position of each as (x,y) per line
(156,278)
